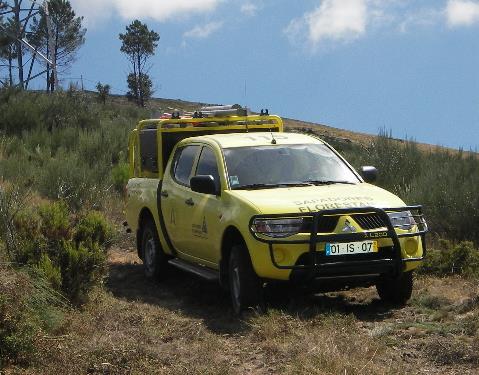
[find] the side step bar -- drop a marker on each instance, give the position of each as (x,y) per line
(201,271)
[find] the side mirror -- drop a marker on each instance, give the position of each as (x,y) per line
(204,185)
(370,174)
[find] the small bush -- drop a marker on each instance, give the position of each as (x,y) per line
(28,306)
(93,228)
(55,221)
(83,267)
(67,251)
(11,203)
(17,331)
(461,259)
(120,176)
(50,272)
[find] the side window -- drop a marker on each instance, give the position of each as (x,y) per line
(207,165)
(184,159)
(149,150)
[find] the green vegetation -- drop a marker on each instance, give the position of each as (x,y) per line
(443,181)
(69,250)
(449,259)
(28,306)
(67,146)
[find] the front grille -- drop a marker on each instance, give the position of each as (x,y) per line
(369,221)
(326,224)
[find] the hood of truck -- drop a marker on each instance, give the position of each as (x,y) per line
(316,198)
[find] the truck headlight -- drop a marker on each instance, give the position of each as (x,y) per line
(277,228)
(402,220)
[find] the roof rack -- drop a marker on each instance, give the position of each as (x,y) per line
(214,116)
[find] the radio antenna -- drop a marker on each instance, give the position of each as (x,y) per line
(273,140)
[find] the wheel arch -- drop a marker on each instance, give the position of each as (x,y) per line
(231,237)
(145,214)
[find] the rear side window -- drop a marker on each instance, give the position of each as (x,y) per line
(207,165)
(184,159)
(149,150)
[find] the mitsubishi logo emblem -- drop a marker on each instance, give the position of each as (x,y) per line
(348,227)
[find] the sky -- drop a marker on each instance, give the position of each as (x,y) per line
(410,67)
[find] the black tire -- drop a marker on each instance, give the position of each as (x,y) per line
(155,262)
(396,291)
(245,285)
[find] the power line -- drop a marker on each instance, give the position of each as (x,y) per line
(120,91)
(15,11)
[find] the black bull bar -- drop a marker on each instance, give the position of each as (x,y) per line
(395,260)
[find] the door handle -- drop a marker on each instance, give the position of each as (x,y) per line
(164,194)
(190,202)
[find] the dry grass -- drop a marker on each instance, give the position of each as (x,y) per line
(185,325)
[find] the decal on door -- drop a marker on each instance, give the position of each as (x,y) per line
(200,230)
(173,217)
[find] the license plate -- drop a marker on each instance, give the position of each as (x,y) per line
(349,248)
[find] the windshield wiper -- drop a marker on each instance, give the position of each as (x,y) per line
(271,186)
(328,182)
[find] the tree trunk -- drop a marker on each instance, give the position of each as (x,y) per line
(136,93)
(48,70)
(30,71)
(54,58)
(140,92)
(10,63)
(18,33)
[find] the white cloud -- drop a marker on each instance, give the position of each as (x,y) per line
(340,21)
(249,9)
(159,10)
(426,17)
(462,12)
(337,20)
(203,31)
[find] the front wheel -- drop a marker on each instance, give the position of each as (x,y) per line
(396,291)
(154,259)
(245,285)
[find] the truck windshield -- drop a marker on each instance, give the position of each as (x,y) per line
(262,167)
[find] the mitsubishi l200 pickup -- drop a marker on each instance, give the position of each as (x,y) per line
(231,197)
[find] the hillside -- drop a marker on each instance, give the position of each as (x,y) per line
(73,298)
(160,105)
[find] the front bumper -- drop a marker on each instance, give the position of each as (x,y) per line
(313,264)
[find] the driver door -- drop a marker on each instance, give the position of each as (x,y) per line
(204,237)
(176,197)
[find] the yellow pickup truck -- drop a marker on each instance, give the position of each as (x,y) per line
(230,197)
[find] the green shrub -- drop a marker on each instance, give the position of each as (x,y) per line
(120,176)
(28,306)
(17,331)
(445,183)
(11,202)
(55,221)
(93,228)
(67,178)
(461,259)
(68,251)
(83,267)
(25,111)
(50,272)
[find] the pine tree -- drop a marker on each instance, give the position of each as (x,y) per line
(139,44)
(68,35)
